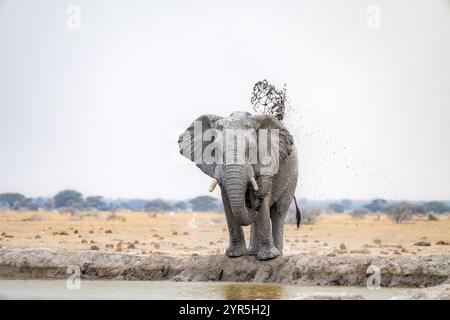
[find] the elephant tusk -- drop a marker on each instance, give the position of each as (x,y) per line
(254,184)
(213,185)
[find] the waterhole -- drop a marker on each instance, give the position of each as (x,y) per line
(169,290)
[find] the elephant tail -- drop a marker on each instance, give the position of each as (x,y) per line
(298,214)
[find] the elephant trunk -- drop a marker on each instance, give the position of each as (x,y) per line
(235,182)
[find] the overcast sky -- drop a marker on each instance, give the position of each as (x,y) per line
(99,108)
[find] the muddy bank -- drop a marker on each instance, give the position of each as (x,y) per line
(396,271)
(441,292)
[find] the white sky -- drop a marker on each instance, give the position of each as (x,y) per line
(100,109)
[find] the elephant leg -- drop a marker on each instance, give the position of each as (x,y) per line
(253,248)
(278,216)
(236,247)
(266,248)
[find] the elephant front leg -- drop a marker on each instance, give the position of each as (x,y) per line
(236,247)
(263,229)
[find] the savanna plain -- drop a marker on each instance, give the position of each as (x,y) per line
(191,233)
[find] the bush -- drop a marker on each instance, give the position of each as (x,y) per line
(418,209)
(400,212)
(336,207)
(359,213)
(93,215)
(376,205)
(75,216)
(114,217)
(181,206)
(437,207)
(98,203)
(347,204)
(29,204)
(157,205)
(205,203)
(309,215)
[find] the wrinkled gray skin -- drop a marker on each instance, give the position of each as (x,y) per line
(265,210)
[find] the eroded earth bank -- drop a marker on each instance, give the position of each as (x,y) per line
(420,271)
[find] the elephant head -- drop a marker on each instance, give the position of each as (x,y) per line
(241,153)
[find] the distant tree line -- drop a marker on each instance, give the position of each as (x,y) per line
(72,200)
(201,203)
(398,211)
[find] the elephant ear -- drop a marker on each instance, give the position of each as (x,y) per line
(285,139)
(191,142)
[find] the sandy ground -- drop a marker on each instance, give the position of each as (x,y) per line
(190,233)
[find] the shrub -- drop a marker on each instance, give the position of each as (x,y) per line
(113,217)
(98,203)
(157,205)
(205,203)
(437,207)
(359,213)
(309,215)
(336,207)
(181,206)
(376,205)
(400,212)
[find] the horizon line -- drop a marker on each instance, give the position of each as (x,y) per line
(206,194)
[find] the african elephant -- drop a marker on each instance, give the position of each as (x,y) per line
(255,191)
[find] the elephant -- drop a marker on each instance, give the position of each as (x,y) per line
(256,191)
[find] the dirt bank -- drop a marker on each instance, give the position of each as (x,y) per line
(441,292)
(400,271)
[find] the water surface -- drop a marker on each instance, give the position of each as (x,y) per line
(168,290)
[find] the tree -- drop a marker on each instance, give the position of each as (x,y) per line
(157,205)
(132,204)
(346,203)
(437,206)
(205,203)
(376,205)
(40,202)
(30,204)
(400,212)
(13,200)
(48,204)
(336,207)
(97,202)
(67,199)
(418,209)
(181,206)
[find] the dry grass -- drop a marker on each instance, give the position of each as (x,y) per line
(142,233)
